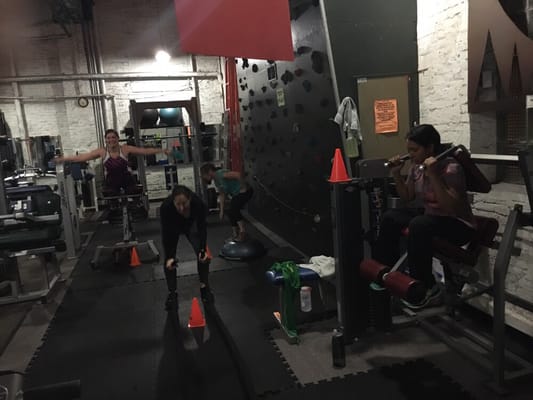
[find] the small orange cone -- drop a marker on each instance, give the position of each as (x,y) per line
(196,319)
(208,252)
(134,261)
(338,171)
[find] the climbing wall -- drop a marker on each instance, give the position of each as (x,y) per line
(289,138)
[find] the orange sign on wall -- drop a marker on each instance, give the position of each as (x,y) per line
(386,116)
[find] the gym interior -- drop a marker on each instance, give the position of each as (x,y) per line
(309,100)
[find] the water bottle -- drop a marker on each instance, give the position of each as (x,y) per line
(351,148)
(305,299)
(337,349)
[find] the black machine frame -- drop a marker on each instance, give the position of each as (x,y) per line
(353,305)
(193,110)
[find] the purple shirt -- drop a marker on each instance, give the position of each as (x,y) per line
(453,175)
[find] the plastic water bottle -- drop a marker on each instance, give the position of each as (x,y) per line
(337,349)
(305,299)
(351,147)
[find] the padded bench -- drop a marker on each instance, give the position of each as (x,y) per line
(32,230)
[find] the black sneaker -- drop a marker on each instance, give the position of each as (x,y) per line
(434,297)
(231,239)
(172,301)
(207,295)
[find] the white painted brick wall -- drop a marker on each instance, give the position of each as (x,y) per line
(128,33)
(443,62)
(442,59)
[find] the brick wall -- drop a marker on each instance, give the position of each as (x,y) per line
(128,34)
(443,65)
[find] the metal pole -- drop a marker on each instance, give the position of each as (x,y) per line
(136,115)
(114,76)
(23,124)
(114,113)
(334,83)
(42,98)
(3,199)
(351,288)
(99,69)
(329,51)
(501,266)
(196,141)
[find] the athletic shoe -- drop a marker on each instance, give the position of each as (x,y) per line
(207,295)
(434,297)
(231,239)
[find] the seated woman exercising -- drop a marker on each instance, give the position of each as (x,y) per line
(440,186)
(115,159)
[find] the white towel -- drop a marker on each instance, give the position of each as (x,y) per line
(324,266)
(348,120)
(347,117)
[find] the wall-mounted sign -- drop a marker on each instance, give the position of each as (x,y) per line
(280,95)
(386,116)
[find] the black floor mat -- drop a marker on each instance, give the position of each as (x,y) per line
(245,302)
(121,344)
(109,275)
(413,380)
(112,333)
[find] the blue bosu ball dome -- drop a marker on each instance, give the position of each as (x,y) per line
(170,116)
(241,251)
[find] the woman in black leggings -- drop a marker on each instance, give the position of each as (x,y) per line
(440,186)
(184,213)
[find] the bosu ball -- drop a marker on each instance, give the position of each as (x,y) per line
(242,250)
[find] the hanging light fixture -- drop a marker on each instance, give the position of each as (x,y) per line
(162,57)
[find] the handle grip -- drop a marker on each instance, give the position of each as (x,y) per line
(442,155)
(403,159)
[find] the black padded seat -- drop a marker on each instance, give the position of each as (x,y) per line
(486,229)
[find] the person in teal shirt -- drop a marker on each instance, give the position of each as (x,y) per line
(229,184)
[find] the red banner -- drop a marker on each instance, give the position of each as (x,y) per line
(234,125)
(235,28)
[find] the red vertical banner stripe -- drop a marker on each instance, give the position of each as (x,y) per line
(259,29)
(234,120)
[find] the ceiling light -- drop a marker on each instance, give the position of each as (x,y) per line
(162,56)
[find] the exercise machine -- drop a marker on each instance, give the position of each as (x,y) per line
(142,118)
(11,388)
(126,204)
(69,209)
(30,232)
(458,263)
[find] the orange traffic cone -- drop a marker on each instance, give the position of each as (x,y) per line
(338,171)
(196,319)
(208,252)
(134,261)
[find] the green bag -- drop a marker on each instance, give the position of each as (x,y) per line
(291,287)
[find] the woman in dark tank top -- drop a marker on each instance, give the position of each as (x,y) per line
(115,160)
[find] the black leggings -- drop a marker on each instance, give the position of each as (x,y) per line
(422,229)
(237,204)
(202,267)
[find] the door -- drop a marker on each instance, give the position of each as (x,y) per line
(384,115)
